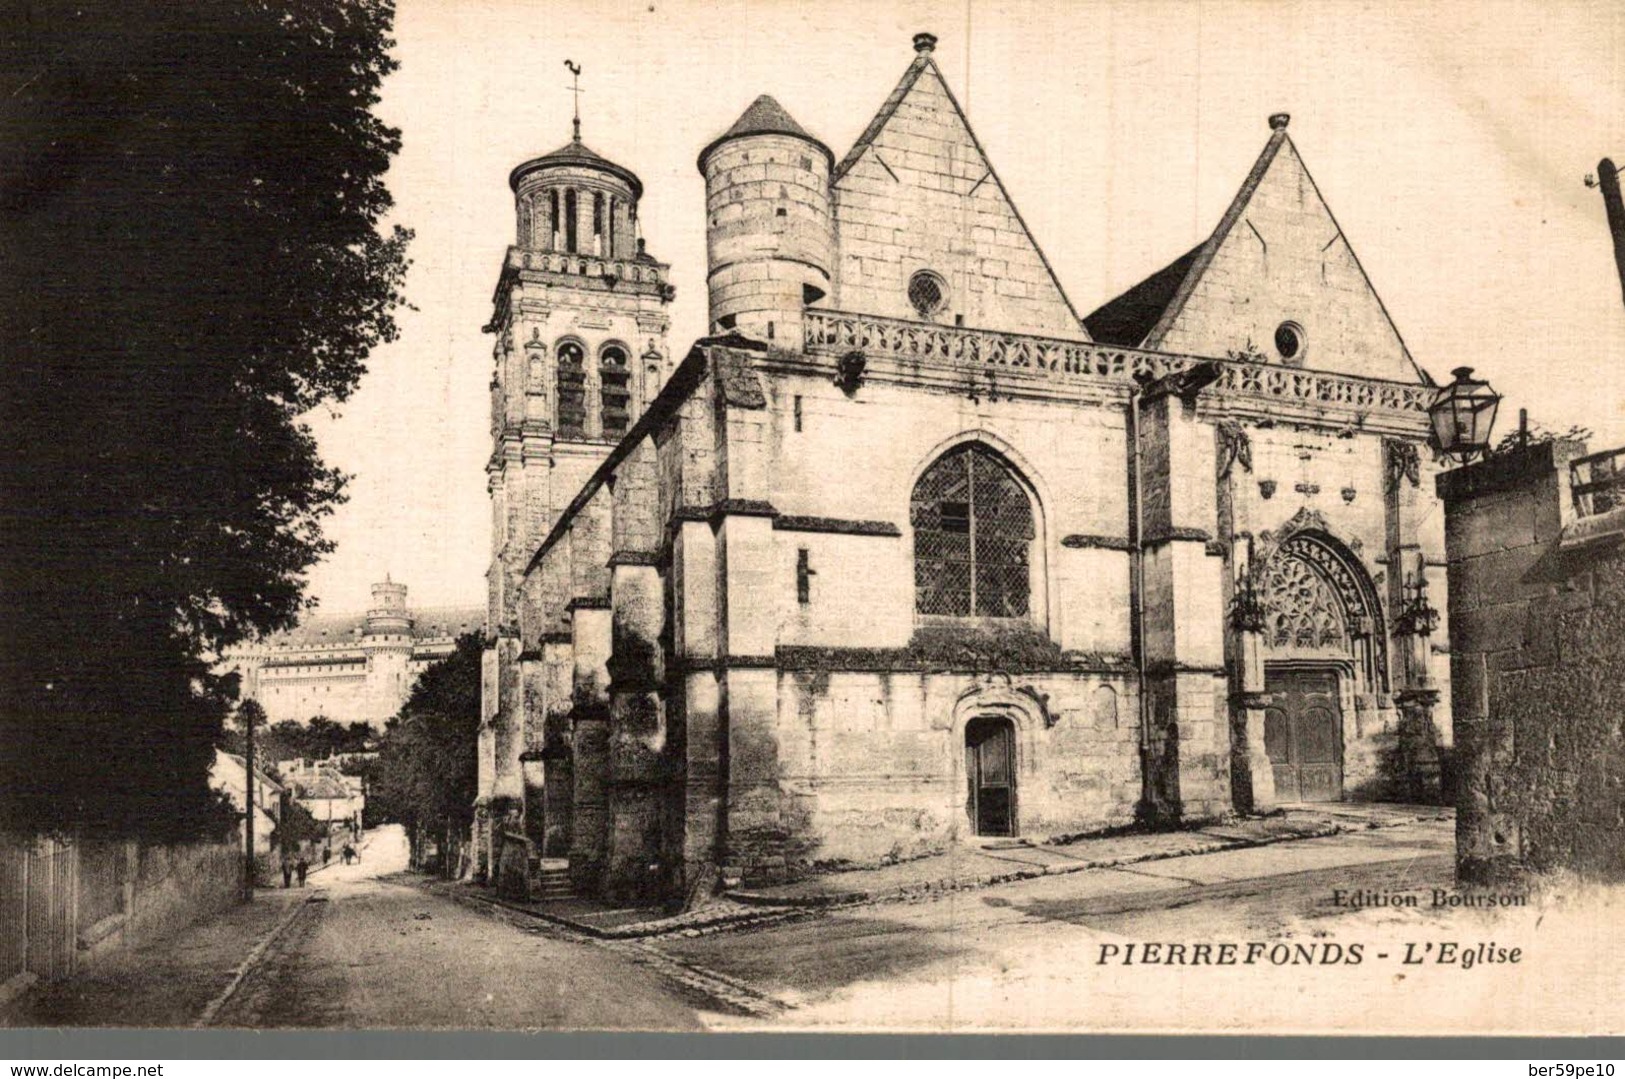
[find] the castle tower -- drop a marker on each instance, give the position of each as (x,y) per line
(580,315)
(388,614)
(769,238)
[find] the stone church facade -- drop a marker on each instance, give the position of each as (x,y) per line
(907,551)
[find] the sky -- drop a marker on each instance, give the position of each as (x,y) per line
(1450,141)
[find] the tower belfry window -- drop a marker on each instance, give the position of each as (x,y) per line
(597,223)
(570,220)
(614,382)
(572,393)
(553,220)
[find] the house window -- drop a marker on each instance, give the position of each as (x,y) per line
(614,378)
(572,388)
(973,537)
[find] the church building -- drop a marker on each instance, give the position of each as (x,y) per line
(908,551)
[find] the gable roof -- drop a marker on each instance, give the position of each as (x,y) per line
(1204,254)
(922,62)
(1127,319)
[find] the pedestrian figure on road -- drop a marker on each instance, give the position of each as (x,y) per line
(349,854)
(303,867)
(327,854)
(287,873)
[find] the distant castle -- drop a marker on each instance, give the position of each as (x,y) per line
(349,668)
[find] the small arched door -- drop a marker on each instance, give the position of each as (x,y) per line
(990,769)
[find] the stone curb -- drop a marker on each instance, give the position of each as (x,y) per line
(905,892)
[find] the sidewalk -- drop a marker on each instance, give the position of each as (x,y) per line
(980,863)
(970,864)
(176,981)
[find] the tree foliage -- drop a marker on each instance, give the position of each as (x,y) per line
(425,776)
(289,739)
(193,201)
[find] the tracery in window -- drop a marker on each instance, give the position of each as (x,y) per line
(973,536)
(572,394)
(1302,610)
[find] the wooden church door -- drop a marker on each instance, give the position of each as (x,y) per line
(990,766)
(1303,734)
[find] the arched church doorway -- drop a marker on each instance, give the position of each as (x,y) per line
(990,769)
(1323,643)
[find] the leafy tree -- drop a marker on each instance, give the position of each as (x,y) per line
(298,825)
(425,776)
(193,202)
(1539,433)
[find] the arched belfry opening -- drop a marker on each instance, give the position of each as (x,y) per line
(1324,649)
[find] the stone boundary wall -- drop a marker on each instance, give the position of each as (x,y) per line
(1537,633)
(68,905)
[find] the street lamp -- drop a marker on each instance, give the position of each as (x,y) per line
(1462,415)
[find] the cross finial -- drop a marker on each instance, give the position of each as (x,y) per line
(575,76)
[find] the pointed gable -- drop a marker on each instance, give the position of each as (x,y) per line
(916,192)
(1279,258)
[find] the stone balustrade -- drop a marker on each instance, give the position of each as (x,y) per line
(827,331)
(638,271)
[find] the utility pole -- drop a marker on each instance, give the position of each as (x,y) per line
(1608,180)
(248,817)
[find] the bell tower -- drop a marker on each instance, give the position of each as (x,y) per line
(580,319)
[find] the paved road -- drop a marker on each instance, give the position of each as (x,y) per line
(361,952)
(371,953)
(1026,955)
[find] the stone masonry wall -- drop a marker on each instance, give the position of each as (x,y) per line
(1538,637)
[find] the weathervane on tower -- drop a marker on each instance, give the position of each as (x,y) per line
(575,88)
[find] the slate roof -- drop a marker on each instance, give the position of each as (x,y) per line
(427,622)
(577,153)
(1126,320)
(765,116)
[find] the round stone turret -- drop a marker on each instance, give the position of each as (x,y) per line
(577,201)
(769,234)
(388,614)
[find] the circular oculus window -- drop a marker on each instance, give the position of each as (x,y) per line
(1289,342)
(927,292)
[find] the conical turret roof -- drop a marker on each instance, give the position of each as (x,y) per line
(764,117)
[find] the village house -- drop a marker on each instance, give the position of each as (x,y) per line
(229,775)
(909,551)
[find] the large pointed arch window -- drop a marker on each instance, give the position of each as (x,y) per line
(973,537)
